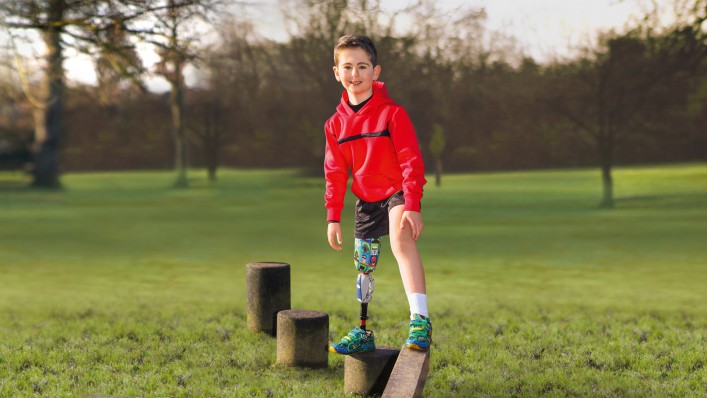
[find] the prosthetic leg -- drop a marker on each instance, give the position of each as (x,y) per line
(365,259)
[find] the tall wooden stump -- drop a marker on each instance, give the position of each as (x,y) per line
(302,338)
(268,286)
(367,373)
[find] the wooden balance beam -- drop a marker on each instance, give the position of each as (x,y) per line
(409,374)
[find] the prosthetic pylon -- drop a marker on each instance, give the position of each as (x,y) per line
(364,291)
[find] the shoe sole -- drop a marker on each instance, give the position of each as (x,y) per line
(416,347)
(332,349)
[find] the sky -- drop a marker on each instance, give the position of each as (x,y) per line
(543,28)
(550,27)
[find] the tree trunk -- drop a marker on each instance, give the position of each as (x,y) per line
(212,173)
(211,138)
(210,151)
(180,142)
(48,136)
(606,155)
(212,155)
(438,172)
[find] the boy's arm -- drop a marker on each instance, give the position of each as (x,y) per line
(336,176)
(409,157)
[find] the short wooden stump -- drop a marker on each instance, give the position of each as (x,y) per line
(367,373)
(268,287)
(302,338)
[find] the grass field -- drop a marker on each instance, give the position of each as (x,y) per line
(121,286)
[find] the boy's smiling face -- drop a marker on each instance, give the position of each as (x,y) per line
(356,73)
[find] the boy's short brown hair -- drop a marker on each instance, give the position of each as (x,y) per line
(356,41)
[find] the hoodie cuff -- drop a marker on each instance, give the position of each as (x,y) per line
(412,205)
(333,215)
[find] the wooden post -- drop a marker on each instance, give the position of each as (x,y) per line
(409,374)
(302,338)
(268,286)
(367,373)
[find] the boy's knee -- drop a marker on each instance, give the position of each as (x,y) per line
(401,245)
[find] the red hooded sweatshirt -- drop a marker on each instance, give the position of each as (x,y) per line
(379,146)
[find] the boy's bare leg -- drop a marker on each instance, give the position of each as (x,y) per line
(404,248)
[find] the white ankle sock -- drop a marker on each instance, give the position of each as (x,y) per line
(418,304)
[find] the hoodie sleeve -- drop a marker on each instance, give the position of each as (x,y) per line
(409,158)
(336,176)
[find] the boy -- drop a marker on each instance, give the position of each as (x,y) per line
(373,137)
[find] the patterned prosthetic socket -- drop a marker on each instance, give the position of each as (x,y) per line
(366,254)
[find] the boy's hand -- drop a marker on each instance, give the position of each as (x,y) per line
(415,220)
(334,235)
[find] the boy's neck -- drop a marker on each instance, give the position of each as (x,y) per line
(357,99)
(357,107)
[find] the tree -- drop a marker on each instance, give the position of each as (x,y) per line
(51,19)
(60,23)
(99,25)
(609,93)
(172,31)
(208,114)
(239,63)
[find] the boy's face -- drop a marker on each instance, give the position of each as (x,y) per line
(356,73)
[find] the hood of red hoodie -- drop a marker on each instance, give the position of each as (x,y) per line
(380,97)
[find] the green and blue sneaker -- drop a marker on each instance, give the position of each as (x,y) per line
(358,340)
(420,336)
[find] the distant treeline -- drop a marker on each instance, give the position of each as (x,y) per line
(635,97)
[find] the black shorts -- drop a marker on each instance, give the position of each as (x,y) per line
(372,217)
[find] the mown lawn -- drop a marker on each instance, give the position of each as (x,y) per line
(122,286)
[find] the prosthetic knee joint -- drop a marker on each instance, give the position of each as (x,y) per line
(365,259)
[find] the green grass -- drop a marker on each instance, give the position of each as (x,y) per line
(121,286)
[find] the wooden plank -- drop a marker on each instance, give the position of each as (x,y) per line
(409,374)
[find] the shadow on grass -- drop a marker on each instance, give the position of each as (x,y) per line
(332,372)
(14,186)
(329,376)
(21,187)
(683,201)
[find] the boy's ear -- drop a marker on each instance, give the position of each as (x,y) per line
(376,72)
(336,74)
